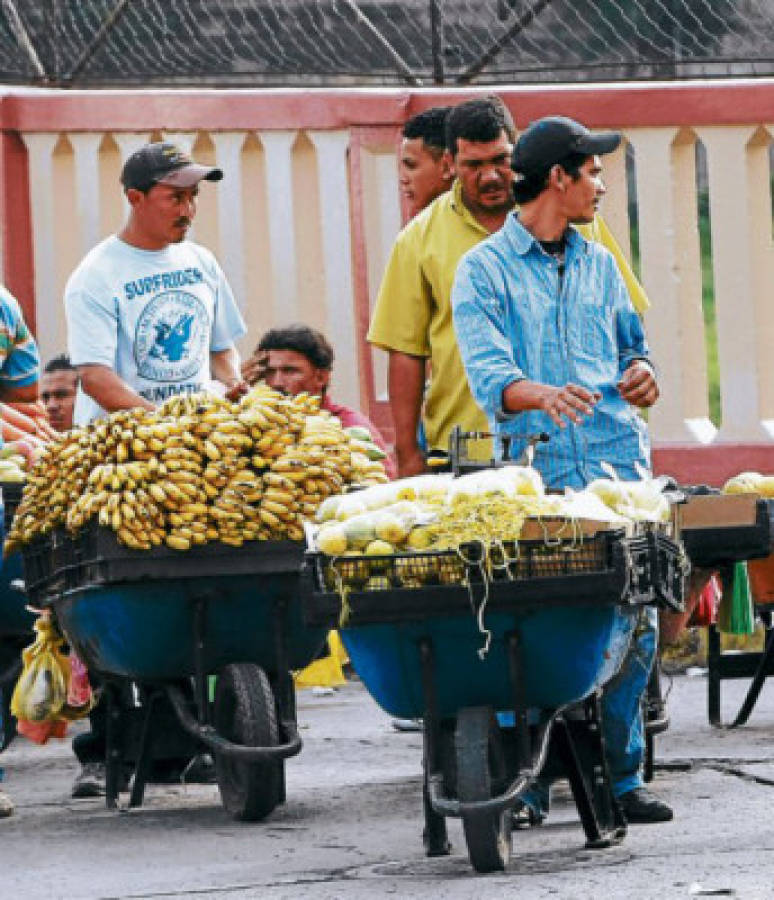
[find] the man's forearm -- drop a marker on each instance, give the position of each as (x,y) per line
(110,390)
(225,366)
(406,382)
(27,393)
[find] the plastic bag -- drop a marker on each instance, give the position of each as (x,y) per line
(327,670)
(735,613)
(79,688)
(40,732)
(705,611)
(41,691)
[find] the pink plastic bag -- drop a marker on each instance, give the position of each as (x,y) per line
(79,688)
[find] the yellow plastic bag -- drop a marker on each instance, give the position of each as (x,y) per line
(41,691)
(325,672)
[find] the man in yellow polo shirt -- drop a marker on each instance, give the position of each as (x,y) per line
(413,317)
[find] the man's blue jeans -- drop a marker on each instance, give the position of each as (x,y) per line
(622,721)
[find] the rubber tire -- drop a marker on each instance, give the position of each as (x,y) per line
(479,767)
(245,713)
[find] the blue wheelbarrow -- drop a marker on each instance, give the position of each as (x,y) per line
(152,627)
(15,619)
(503,661)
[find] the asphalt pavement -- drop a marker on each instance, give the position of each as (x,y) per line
(351,826)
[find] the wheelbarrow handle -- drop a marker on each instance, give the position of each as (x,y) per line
(213,741)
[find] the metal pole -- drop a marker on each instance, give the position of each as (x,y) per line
(22,36)
(109,21)
(401,63)
(436,32)
(495,47)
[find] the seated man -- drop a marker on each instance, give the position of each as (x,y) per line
(58,390)
(298,359)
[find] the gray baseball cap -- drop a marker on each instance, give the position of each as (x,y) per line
(164,163)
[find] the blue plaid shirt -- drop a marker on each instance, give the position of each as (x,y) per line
(516,319)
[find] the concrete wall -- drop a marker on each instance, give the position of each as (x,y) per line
(307,212)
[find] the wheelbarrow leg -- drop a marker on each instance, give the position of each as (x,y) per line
(145,756)
(714,675)
(600,814)
(113,746)
(284,689)
(434,835)
(761,673)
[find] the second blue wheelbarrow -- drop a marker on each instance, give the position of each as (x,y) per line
(494,656)
(153,627)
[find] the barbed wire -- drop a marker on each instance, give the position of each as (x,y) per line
(238,42)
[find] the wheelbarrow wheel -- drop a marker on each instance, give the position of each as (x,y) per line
(480,772)
(245,713)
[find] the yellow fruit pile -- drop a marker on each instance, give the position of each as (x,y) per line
(197,469)
(750,483)
(439,513)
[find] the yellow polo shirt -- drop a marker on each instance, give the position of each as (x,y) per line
(413,312)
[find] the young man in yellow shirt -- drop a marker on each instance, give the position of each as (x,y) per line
(413,317)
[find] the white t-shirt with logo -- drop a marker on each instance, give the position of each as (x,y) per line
(153,316)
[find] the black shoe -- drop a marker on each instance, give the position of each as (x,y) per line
(643,808)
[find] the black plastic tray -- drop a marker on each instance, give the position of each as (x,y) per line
(712,547)
(95,556)
(12,494)
(45,560)
(610,569)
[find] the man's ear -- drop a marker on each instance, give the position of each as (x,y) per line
(323,379)
(133,196)
(557,178)
(447,166)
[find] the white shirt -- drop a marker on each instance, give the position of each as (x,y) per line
(152,316)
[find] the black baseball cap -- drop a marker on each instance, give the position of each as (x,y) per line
(164,163)
(549,140)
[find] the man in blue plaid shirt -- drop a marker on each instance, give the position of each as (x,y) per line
(550,341)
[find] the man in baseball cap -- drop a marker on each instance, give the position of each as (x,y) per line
(550,342)
(164,163)
(150,315)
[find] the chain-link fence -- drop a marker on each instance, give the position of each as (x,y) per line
(87,43)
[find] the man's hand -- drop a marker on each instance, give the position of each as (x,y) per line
(236,388)
(411,461)
(254,367)
(638,385)
(570,401)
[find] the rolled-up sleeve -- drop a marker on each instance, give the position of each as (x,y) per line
(479,322)
(631,336)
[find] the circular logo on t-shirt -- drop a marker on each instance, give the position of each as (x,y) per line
(170,340)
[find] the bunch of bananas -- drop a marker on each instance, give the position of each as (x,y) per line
(197,469)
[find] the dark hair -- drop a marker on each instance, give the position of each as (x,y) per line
(479,120)
(60,363)
(301,339)
(430,126)
(532,185)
